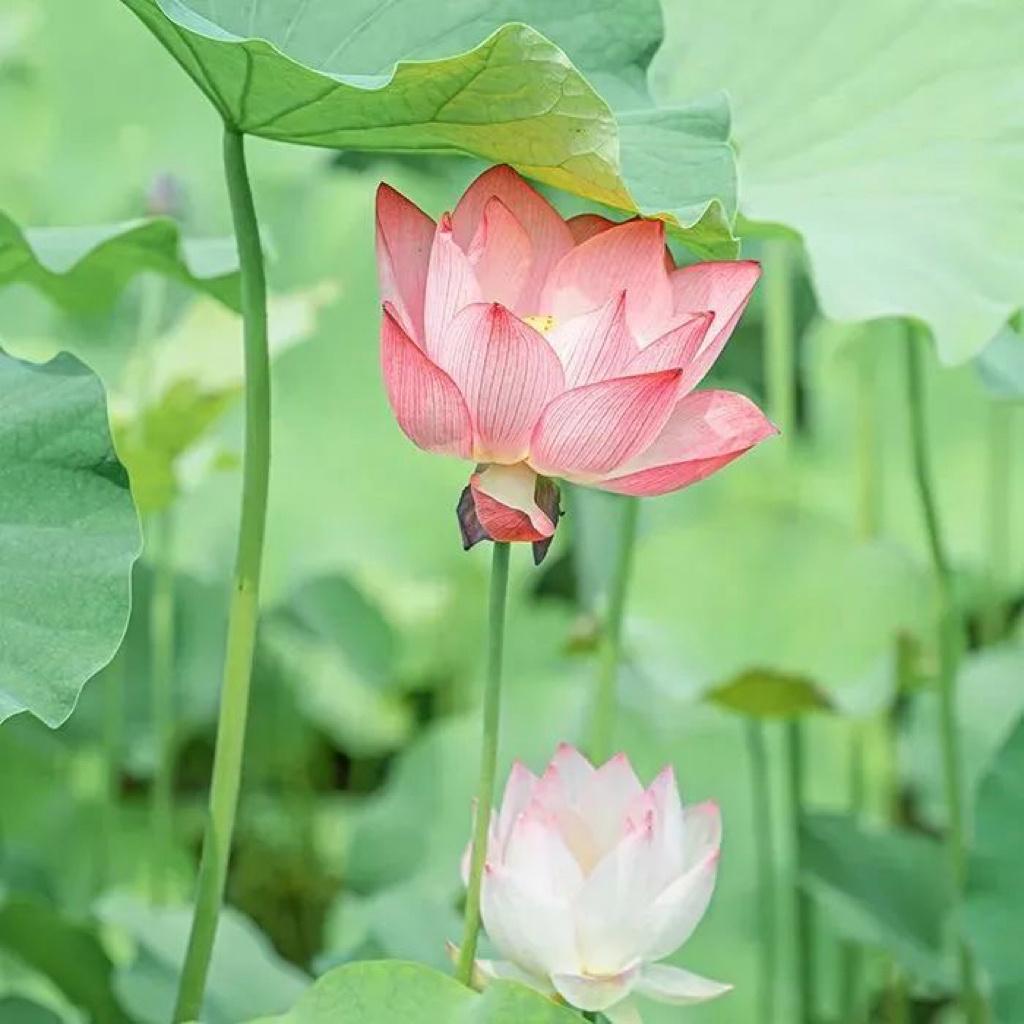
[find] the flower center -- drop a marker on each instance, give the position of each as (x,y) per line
(542,322)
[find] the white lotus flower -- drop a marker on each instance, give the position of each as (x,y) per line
(591,880)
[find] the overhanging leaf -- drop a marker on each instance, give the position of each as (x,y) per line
(885,889)
(68,537)
(82,269)
(1001,364)
(392,992)
(884,133)
(394,77)
(770,695)
(995,900)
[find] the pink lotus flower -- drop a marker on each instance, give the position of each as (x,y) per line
(540,347)
(590,880)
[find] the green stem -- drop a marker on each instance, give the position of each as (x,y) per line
(113,745)
(244,609)
(488,760)
(780,344)
(602,724)
(950,640)
(764,832)
(998,502)
(851,963)
(803,911)
(161,669)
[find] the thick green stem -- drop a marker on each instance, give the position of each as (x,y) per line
(764,835)
(998,503)
(244,608)
(488,760)
(803,910)
(780,344)
(161,670)
(602,722)
(950,642)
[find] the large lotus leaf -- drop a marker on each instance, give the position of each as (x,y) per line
(995,900)
(68,537)
(887,134)
(246,976)
(82,269)
(29,997)
(402,76)
(392,992)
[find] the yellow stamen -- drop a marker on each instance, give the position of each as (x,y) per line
(540,322)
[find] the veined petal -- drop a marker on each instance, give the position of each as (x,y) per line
(426,402)
(675,914)
(549,235)
(451,286)
(507,373)
(724,288)
(589,431)
(585,225)
(628,257)
(674,350)
(597,345)
(505,504)
(500,254)
(677,987)
(404,238)
(589,992)
(534,933)
(706,431)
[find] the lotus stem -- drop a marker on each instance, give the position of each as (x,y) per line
(764,838)
(113,744)
(244,607)
(488,760)
(602,724)
(161,669)
(950,640)
(803,909)
(998,503)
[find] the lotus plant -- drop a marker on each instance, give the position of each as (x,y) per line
(541,348)
(591,880)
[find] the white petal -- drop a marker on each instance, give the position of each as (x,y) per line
(505,970)
(625,1012)
(677,987)
(518,794)
(702,832)
(606,797)
(534,933)
(539,859)
(571,769)
(676,913)
(589,992)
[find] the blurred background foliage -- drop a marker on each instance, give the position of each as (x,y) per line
(805,573)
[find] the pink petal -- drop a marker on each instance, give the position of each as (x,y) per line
(404,238)
(451,286)
(503,497)
(586,992)
(674,350)
(507,373)
(724,288)
(628,257)
(586,225)
(549,236)
(500,254)
(518,794)
(589,431)
(595,346)
(675,914)
(534,933)
(706,431)
(426,402)
(677,987)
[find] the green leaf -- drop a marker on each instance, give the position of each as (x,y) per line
(770,695)
(1001,364)
(246,976)
(68,537)
(394,77)
(70,955)
(392,992)
(82,269)
(885,889)
(879,131)
(995,900)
